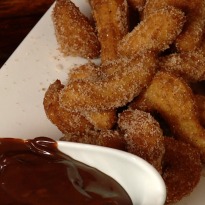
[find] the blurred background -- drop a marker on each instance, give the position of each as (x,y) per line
(17,18)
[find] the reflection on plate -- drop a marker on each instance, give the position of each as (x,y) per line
(26,75)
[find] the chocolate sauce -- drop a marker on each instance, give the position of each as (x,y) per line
(35,172)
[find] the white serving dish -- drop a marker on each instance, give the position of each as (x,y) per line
(141,181)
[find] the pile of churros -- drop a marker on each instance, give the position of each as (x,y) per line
(147,95)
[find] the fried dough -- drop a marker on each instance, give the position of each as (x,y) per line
(88,71)
(188,65)
(141,90)
(191,36)
(172,97)
(67,122)
(154,33)
(181,169)
(112,24)
(100,119)
(143,136)
(108,138)
(122,80)
(74,32)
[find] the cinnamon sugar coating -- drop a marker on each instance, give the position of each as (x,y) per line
(143,136)
(181,169)
(156,32)
(121,81)
(147,66)
(172,97)
(108,138)
(67,122)
(188,65)
(191,35)
(74,32)
(111,17)
(100,119)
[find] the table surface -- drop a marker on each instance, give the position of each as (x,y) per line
(17,18)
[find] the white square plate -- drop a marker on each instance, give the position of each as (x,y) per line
(27,74)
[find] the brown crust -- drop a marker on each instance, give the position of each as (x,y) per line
(100,119)
(172,97)
(67,122)
(106,138)
(143,136)
(191,35)
(189,65)
(156,32)
(182,169)
(74,32)
(111,23)
(120,82)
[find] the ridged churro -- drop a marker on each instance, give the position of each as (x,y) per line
(112,24)
(67,122)
(74,32)
(189,65)
(156,32)
(181,169)
(122,80)
(191,35)
(101,119)
(143,136)
(172,97)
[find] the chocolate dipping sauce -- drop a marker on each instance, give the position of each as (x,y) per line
(35,172)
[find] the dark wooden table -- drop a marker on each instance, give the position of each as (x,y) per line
(17,18)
